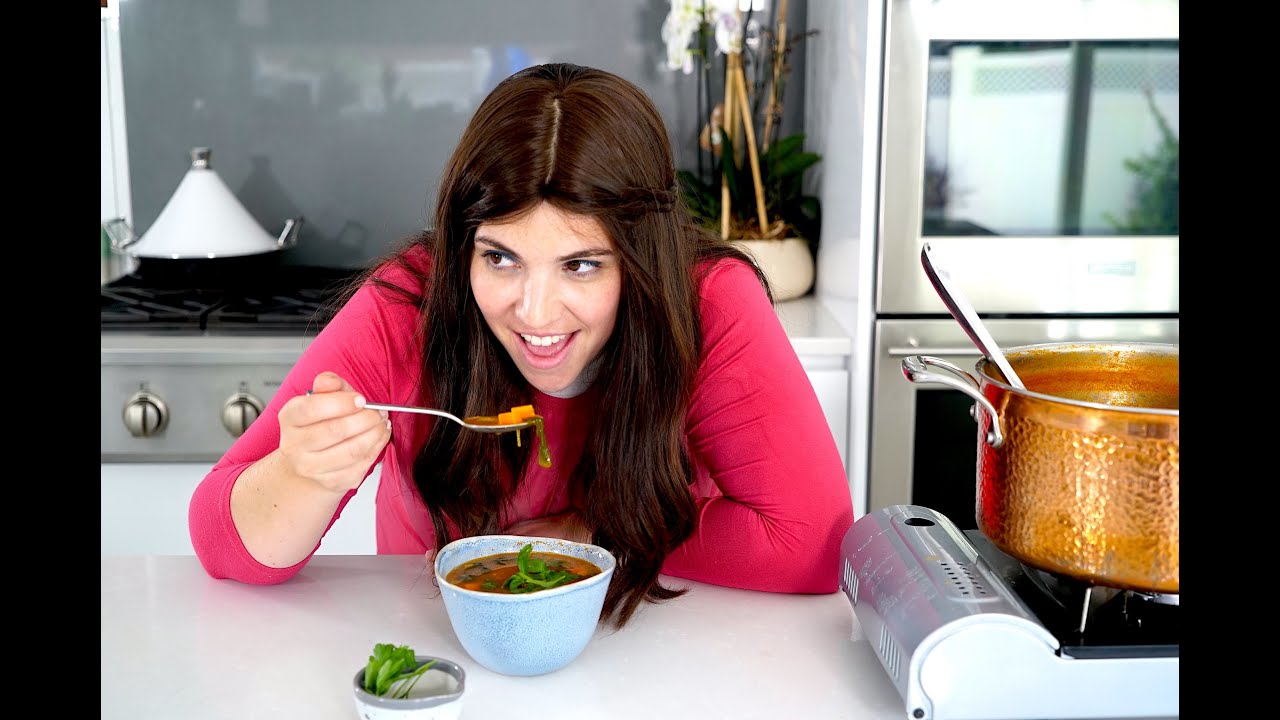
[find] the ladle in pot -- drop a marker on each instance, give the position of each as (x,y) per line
(967,316)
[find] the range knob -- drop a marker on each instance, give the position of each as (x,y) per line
(239,412)
(145,414)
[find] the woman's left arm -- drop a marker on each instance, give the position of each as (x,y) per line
(772,493)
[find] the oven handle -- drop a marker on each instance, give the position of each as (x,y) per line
(914,368)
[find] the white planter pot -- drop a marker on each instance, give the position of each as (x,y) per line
(787,263)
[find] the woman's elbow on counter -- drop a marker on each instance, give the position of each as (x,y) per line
(817,561)
(222,563)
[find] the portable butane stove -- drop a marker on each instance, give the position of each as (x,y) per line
(966,631)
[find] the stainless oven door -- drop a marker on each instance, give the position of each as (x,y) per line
(1015,146)
(923,440)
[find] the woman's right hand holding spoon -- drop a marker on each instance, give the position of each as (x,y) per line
(329,437)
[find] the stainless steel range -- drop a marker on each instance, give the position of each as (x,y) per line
(966,631)
(189,360)
(186,370)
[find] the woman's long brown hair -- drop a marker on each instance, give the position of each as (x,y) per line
(592,143)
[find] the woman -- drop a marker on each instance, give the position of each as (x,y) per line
(561,272)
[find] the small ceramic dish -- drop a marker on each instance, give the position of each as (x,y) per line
(436,696)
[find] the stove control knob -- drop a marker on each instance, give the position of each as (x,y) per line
(239,412)
(145,414)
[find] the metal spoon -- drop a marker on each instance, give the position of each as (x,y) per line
(967,316)
(479,423)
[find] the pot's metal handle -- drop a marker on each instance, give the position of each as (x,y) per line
(289,236)
(915,369)
(121,234)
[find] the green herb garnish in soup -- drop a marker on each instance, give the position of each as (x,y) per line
(525,571)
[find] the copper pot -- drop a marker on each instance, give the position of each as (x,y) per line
(1078,473)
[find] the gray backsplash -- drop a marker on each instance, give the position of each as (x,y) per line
(346,112)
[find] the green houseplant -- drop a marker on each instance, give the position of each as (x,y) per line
(1154,206)
(788,209)
(749,182)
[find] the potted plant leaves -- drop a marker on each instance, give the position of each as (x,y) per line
(398,684)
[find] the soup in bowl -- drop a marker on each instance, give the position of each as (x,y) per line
(527,614)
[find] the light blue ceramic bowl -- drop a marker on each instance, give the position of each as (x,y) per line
(532,633)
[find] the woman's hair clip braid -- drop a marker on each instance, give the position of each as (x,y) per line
(633,203)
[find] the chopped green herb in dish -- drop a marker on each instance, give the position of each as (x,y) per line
(393,666)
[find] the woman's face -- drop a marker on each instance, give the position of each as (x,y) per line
(548,284)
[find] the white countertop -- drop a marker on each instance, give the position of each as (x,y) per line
(812,328)
(179,644)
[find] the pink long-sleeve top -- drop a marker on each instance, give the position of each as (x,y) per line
(769,485)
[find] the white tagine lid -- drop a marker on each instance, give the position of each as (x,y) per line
(203,219)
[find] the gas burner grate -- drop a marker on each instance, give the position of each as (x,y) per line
(295,304)
(298,311)
(155,308)
(1117,623)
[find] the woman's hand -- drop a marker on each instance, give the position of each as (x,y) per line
(328,437)
(567,525)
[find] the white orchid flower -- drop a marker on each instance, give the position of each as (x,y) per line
(682,23)
(728,33)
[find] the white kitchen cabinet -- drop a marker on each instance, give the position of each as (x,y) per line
(144,511)
(832,387)
(825,350)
